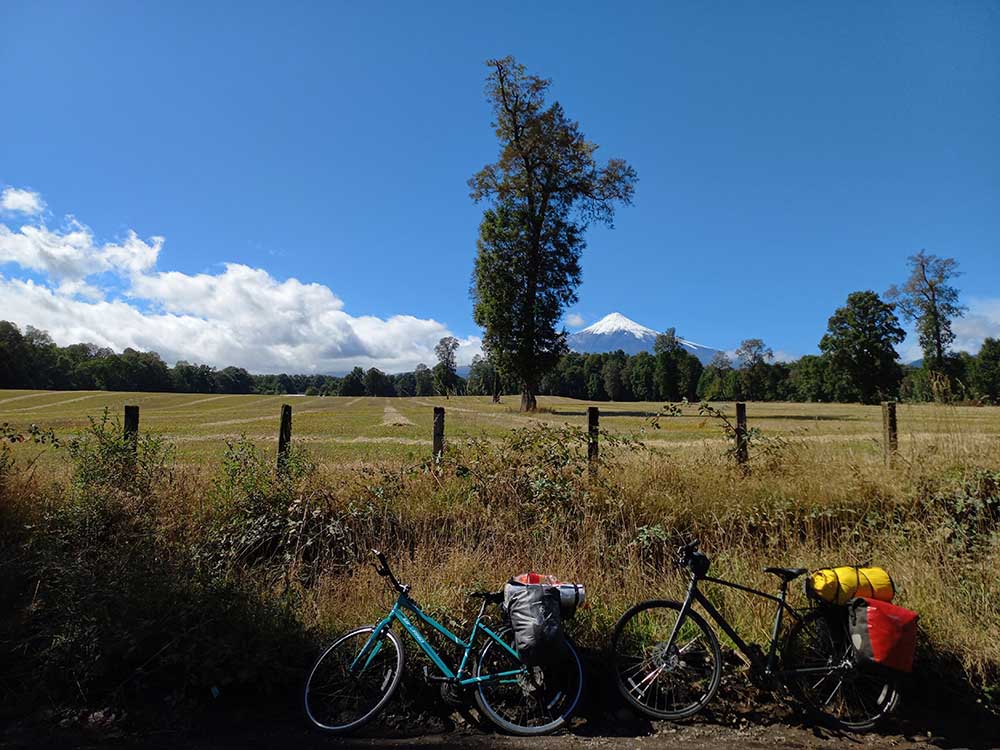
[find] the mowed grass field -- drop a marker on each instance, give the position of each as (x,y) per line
(338,430)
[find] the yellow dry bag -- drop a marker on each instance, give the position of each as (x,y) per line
(840,585)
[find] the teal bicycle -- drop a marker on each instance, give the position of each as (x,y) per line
(354,679)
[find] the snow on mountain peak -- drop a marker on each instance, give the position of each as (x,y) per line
(615,331)
(618,323)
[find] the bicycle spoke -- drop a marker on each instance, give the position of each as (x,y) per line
(666,681)
(537,701)
(338,696)
(834,693)
(845,693)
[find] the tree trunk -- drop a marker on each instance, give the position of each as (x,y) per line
(528,402)
(496,388)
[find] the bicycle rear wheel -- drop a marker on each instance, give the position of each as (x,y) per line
(344,692)
(539,701)
(843,693)
(665,683)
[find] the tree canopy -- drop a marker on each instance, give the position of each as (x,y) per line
(928,298)
(860,343)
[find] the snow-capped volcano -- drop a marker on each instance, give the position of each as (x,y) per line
(615,331)
(618,323)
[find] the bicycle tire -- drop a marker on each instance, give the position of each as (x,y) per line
(664,662)
(387,689)
(816,640)
(569,699)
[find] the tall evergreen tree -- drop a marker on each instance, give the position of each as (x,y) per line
(986,371)
(353,383)
(809,379)
(642,376)
(754,356)
(545,188)
(860,347)
(446,369)
(612,378)
(424,380)
(377,383)
(14,357)
(405,384)
(667,368)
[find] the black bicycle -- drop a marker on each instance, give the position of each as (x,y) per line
(668,661)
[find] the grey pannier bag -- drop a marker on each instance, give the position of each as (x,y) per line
(534,612)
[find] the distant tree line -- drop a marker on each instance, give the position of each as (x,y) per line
(857,362)
(32,360)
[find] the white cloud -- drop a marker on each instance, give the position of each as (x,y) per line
(574,320)
(71,254)
(242,316)
(19,201)
(980,322)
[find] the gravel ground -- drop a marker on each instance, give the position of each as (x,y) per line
(254,732)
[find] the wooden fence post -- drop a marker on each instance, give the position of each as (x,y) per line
(284,434)
(593,431)
(131,427)
(438,432)
(890,435)
(742,447)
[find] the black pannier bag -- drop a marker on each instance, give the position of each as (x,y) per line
(534,612)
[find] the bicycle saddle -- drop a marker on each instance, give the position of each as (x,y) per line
(491,597)
(786,574)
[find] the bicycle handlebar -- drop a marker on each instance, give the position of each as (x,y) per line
(685,551)
(385,571)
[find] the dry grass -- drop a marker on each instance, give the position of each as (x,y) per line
(348,430)
(808,504)
(510,501)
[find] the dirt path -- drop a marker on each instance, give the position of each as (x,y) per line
(254,734)
(56,403)
(186,404)
(27,395)
(313,439)
(266,417)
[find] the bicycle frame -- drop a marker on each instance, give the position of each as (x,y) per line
(398,614)
(768,667)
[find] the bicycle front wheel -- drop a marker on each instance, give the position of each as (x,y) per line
(819,669)
(664,682)
(537,701)
(349,684)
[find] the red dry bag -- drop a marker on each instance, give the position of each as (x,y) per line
(883,633)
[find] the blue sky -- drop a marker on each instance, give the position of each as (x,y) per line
(295,174)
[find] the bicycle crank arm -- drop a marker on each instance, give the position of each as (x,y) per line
(438,678)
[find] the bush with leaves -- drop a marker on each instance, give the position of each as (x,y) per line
(281,521)
(538,470)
